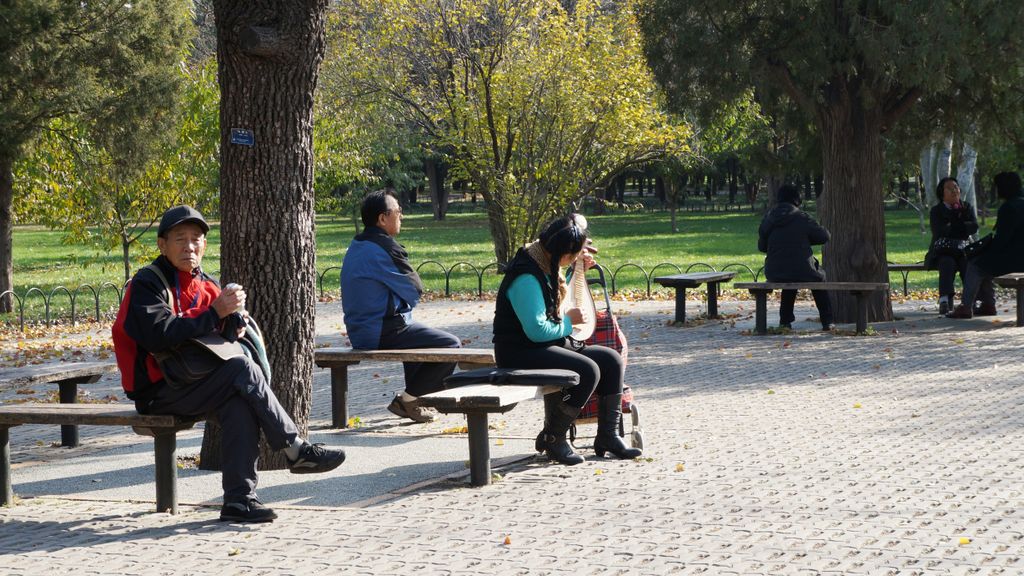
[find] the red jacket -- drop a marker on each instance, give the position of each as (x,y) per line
(147,322)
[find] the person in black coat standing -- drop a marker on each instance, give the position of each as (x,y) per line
(786,236)
(952,223)
(1004,254)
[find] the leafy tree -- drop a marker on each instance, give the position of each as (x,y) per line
(79,186)
(104,63)
(853,68)
(538,105)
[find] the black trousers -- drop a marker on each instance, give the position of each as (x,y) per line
(244,403)
(422,377)
(821,300)
(948,267)
(600,368)
(978,286)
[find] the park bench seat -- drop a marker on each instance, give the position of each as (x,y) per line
(476,401)
(1015,281)
(760,290)
(693,280)
(67,376)
(905,270)
(162,428)
(339,359)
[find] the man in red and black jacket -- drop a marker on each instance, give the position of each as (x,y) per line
(158,316)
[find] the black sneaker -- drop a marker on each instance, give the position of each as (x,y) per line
(251,511)
(314,458)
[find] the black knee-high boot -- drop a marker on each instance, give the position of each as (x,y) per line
(558,416)
(609,414)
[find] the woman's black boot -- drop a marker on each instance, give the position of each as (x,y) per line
(558,416)
(609,414)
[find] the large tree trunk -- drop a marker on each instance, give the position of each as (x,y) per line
(6,232)
(268,73)
(851,206)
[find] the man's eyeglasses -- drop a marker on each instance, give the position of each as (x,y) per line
(394,211)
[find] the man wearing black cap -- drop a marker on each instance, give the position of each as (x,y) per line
(786,236)
(166,307)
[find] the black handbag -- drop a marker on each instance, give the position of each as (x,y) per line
(196,359)
(949,246)
(978,247)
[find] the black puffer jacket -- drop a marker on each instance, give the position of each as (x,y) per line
(1006,253)
(956,224)
(786,236)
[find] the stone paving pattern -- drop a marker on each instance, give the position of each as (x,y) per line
(803,453)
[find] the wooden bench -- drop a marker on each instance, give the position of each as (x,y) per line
(760,290)
(163,429)
(339,359)
(476,401)
(1014,280)
(905,270)
(693,280)
(67,376)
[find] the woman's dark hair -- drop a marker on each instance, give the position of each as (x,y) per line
(942,184)
(374,204)
(560,237)
(1007,184)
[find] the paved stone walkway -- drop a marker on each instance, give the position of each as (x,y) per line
(804,453)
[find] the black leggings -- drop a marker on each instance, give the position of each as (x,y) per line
(600,368)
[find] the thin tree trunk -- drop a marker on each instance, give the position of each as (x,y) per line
(851,206)
(965,176)
(126,257)
(6,232)
(266,201)
(503,248)
(436,172)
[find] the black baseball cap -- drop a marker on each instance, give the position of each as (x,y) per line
(180,215)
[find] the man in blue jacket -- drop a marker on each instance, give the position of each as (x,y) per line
(379,289)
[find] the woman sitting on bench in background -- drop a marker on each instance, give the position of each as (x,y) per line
(531,332)
(952,223)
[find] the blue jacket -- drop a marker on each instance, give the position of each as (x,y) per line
(374,292)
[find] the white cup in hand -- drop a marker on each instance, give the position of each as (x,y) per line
(237,288)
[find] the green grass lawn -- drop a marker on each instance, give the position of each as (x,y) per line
(641,237)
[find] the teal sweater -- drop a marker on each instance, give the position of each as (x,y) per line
(528,302)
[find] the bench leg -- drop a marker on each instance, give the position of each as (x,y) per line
(905,274)
(69,395)
(339,396)
(1020,306)
(712,299)
(5,467)
(760,311)
(68,432)
(165,446)
(862,311)
(680,305)
(479,449)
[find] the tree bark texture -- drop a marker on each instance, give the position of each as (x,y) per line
(6,232)
(850,206)
(266,196)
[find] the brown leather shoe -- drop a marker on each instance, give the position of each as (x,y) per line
(411,410)
(960,311)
